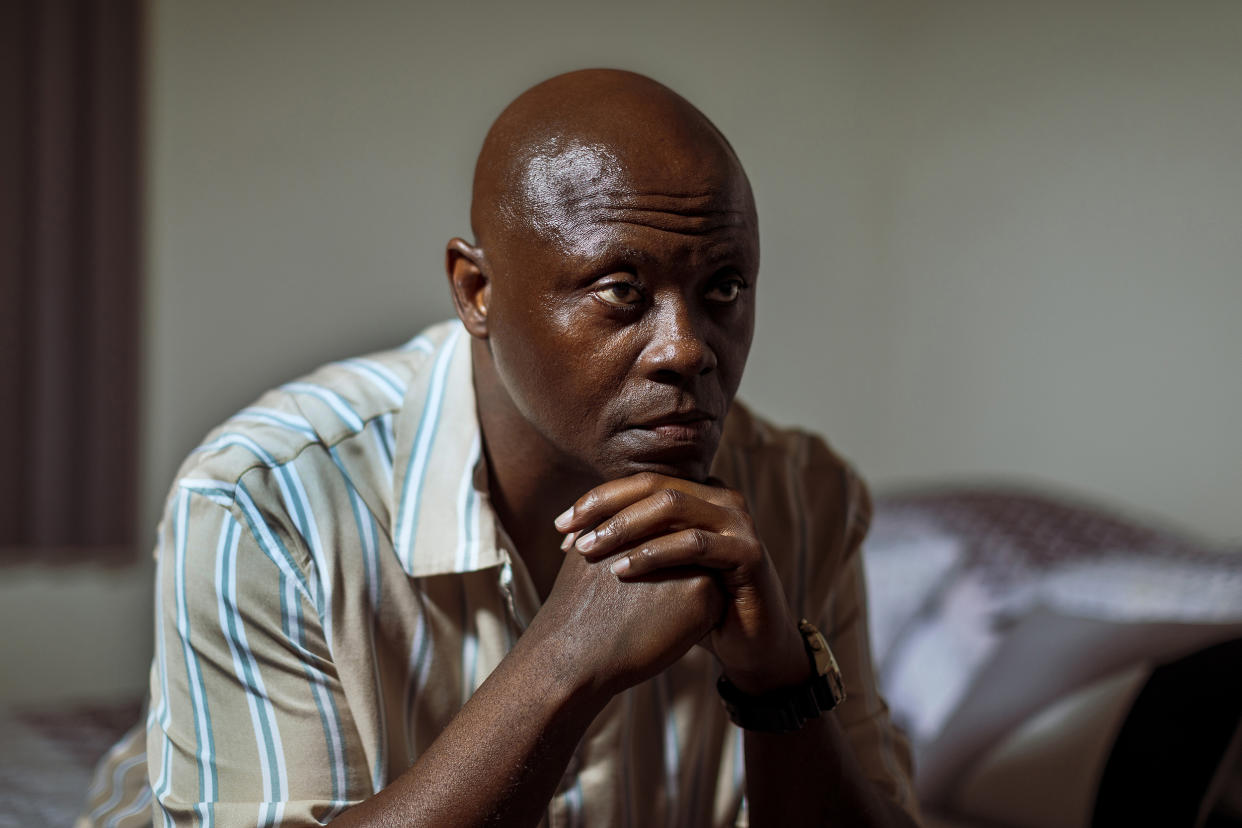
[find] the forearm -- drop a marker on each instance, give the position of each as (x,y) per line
(501,756)
(810,777)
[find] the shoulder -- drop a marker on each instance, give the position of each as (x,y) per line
(753,449)
(307,419)
(809,504)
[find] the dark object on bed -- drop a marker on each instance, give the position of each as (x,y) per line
(1173,740)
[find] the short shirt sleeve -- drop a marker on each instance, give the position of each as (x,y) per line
(840,515)
(248,723)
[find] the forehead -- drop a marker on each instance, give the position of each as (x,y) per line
(584,198)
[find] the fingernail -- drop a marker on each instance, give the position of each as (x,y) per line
(620,566)
(568,541)
(562,519)
(586,542)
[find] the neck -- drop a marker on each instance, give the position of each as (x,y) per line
(529,484)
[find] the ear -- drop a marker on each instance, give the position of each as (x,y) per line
(470,285)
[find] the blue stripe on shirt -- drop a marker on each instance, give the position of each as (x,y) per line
(388,383)
(416,471)
(262,716)
(199,710)
(329,398)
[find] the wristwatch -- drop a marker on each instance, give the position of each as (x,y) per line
(789,708)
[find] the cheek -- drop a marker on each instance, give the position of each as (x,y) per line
(561,375)
(733,350)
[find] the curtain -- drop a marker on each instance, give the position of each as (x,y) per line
(70,187)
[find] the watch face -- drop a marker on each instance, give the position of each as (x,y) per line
(835,682)
(825,662)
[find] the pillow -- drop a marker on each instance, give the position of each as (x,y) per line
(907,559)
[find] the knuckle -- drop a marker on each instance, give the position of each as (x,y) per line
(613,527)
(735,499)
(671,498)
(744,524)
(700,543)
(586,503)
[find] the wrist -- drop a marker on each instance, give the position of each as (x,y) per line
(787,665)
(580,669)
(566,683)
(788,707)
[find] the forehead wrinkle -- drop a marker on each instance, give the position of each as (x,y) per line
(696,215)
(702,203)
(688,226)
(615,203)
(674,214)
(636,208)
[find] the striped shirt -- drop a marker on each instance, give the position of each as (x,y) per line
(333,584)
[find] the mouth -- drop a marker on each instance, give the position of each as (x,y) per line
(679,426)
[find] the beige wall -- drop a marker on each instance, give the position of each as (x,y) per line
(999,238)
(1063,227)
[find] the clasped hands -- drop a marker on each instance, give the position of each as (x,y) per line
(655,564)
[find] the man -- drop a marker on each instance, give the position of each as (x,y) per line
(377,609)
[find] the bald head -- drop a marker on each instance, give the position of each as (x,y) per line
(611,282)
(586,138)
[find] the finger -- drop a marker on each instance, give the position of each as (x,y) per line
(688,547)
(609,498)
(664,511)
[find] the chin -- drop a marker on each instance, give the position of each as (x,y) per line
(696,468)
(634,451)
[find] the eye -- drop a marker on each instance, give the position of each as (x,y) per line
(726,290)
(620,294)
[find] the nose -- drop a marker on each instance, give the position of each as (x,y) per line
(677,350)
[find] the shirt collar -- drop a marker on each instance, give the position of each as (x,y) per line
(444,522)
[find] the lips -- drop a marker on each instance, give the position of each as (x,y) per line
(677,428)
(691,417)
(689,432)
